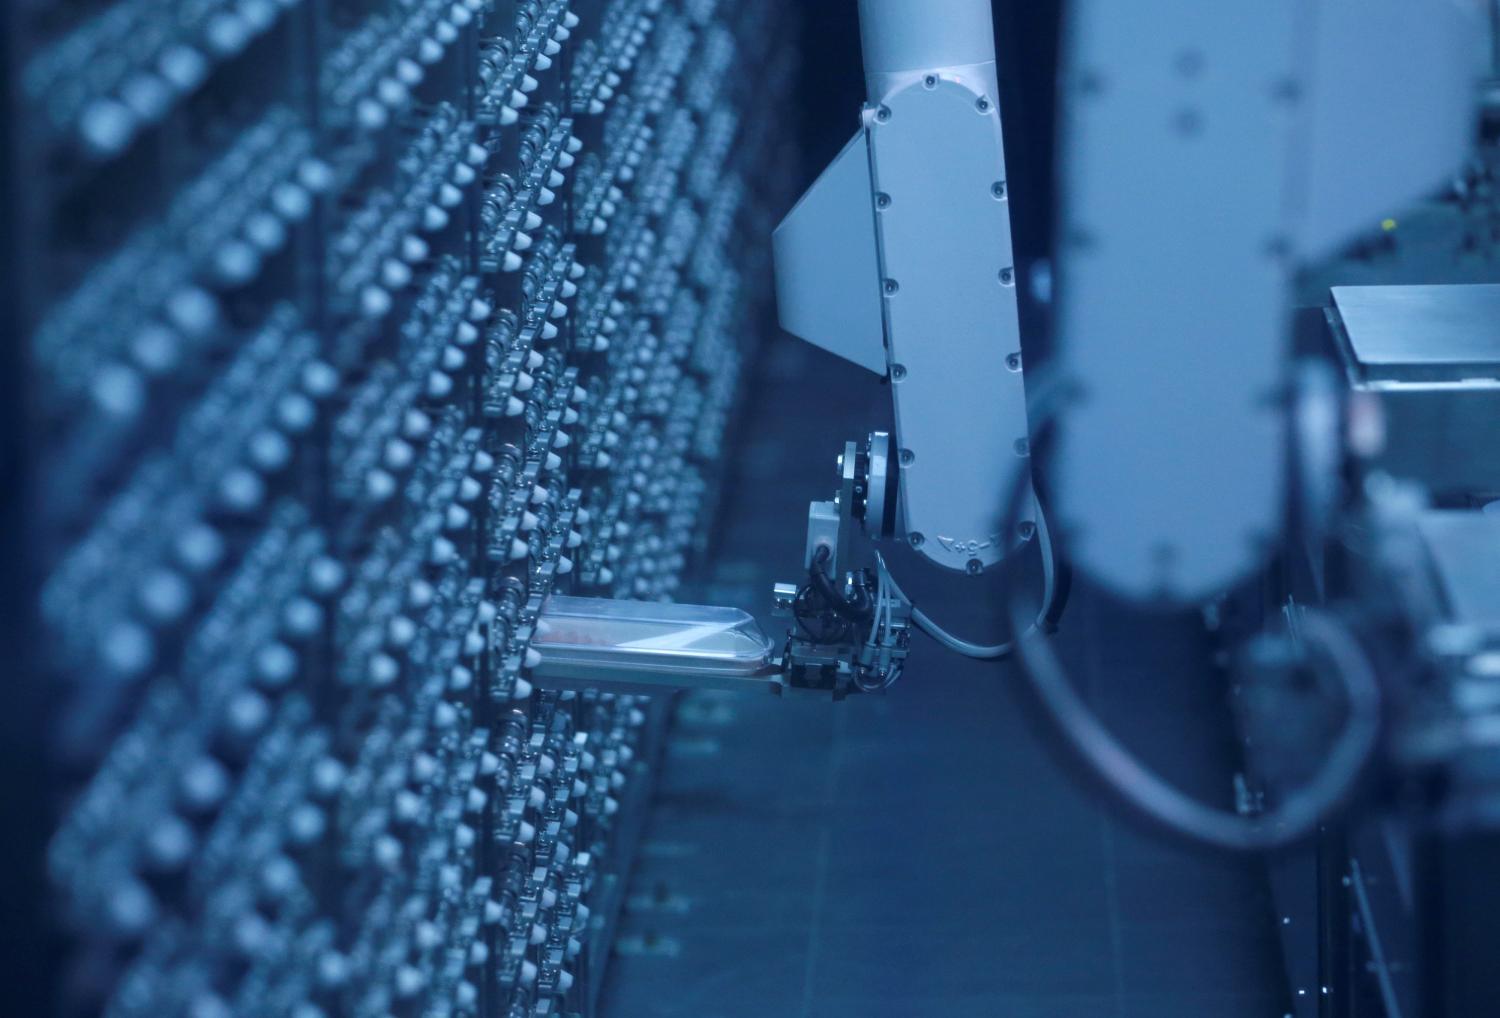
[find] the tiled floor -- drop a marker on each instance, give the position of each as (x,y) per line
(929,852)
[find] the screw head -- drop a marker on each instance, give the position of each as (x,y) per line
(891,286)
(915,539)
(982,105)
(898,372)
(882,200)
(998,189)
(883,114)
(975,567)
(908,457)
(930,81)
(1013,361)
(1007,277)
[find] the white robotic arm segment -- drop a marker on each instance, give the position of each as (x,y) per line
(908,232)
(1220,147)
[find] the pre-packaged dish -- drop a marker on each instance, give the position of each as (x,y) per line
(586,638)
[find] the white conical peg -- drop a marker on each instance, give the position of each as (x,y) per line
(413,248)
(409,72)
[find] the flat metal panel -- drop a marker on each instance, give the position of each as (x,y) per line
(827,278)
(1422,333)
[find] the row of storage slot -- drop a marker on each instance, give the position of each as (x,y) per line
(351,411)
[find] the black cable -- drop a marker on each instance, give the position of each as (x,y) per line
(1298,815)
(854,611)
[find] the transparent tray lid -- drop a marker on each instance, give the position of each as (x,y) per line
(597,637)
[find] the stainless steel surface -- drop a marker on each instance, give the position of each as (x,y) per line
(1432,355)
(1422,333)
(903,39)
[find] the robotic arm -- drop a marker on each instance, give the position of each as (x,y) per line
(1221,146)
(899,259)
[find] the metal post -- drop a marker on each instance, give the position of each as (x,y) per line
(903,39)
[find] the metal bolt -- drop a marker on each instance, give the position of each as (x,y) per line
(1287,90)
(930,81)
(982,105)
(882,200)
(898,372)
(891,286)
(1013,361)
(915,539)
(908,457)
(975,567)
(1007,277)
(883,114)
(998,189)
(1188,122)
(1189,63)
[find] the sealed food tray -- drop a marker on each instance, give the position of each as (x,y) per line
(597,641)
